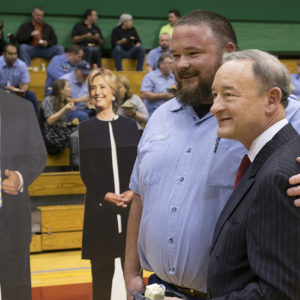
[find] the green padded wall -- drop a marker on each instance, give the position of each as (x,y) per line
(255,10)
(268,25)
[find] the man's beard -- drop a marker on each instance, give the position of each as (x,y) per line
(194,96)
(200,94)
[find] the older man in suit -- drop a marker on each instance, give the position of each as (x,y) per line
(23,157)
(255,252)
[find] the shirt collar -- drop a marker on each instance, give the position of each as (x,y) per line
(6,65)
(264,138)
(177,106)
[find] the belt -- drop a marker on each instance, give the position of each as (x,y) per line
(192,293)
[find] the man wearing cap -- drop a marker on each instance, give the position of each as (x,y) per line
(88,35)
(79,85)
(126,43)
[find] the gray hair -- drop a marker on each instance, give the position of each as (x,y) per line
(163,57)
(267,69)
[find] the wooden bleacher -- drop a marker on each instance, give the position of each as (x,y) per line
(62,159)
(60,225)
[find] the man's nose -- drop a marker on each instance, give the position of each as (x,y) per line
(217,105)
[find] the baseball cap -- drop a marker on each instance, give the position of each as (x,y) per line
(84,66)
(124,17)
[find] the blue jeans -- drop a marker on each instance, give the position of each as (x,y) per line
(30,96)
(136,52)
(28,52)
(80,114)
(92,54)
(155,279)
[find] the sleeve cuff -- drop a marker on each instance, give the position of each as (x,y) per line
(21,187)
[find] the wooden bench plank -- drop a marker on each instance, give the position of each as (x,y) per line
(61,218)
(36,243)
(61,159)
(57,183)
(61,240)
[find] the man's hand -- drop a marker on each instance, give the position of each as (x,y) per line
(134,283)
(88,35)
(123,41)
(130,111)
(11,184)
(96,36)
(120,200)
(295,191)
(44,43)
(35,32)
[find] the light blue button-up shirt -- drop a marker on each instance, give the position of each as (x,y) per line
(184,175)
(14,75)
(78,89)
(295,79)
(59,65)
(153,56)
(156,82)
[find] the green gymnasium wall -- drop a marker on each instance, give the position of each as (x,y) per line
(264,24)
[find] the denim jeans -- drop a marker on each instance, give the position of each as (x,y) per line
(92,54)
(30,96)
(80,114)
(136,52)
(28,52)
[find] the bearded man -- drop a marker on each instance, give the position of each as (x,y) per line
(184,173)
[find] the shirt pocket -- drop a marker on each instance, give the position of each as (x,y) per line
(223,162)
(152,157)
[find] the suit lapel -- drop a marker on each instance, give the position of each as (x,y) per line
(281,137)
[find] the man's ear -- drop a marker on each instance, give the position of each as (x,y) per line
(229,47)
(274,98)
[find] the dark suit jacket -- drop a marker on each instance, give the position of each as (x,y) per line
(22,149)
(255,253)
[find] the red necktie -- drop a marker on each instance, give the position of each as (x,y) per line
(245,163)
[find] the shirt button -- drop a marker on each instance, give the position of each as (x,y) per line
(174,209)
(171,240)
(198,123)
(181,179)
(188,150)
(100,204)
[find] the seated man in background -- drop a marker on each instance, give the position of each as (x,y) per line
(126,43)
(88,35)
(154,54)
(80,92)
(255,252)
(159,86)
(37,38)
(173,17)
(62,64)
(14,75)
